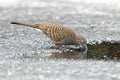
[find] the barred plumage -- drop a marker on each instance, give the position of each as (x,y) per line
(59,34)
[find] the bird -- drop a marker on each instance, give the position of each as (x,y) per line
(58,33)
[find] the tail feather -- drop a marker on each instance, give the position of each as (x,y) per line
(25,24)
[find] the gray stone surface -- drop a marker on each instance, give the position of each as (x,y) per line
(21,47)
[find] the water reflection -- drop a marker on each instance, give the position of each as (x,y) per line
(75,54)
(68,54)
(104,50)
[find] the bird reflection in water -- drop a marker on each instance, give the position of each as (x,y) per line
(70,53)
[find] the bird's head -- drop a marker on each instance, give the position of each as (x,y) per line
(81,41)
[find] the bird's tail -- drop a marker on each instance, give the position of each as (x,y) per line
(26,24)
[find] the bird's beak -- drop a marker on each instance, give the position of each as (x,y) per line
(83,45)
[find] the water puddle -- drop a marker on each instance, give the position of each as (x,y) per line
(104,51)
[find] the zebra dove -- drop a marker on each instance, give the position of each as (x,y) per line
(59,34)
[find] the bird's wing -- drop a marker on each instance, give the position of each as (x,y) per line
(56,32)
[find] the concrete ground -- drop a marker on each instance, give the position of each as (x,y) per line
(23,49)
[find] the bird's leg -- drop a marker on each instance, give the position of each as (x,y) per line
(56,47)
(64,48)
(59,47)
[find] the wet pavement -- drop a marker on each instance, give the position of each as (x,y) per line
(25,53)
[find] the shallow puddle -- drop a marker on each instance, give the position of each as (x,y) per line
(104,51)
